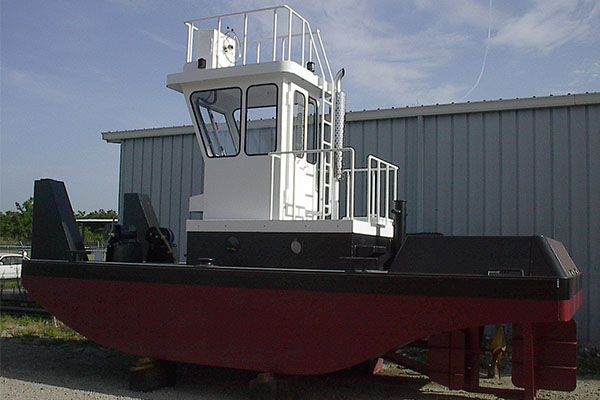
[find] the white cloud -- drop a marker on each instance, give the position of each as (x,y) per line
(385,65)
(460,12)
(135,6)
(393,64)
(586,75)
(549,24)
(42,86)
(591,70)
(161,40)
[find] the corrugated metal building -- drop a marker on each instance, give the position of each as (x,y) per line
(507,167)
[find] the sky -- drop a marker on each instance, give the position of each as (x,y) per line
(70,70)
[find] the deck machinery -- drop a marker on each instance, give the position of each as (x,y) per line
(286,273)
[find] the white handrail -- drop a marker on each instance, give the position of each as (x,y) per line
(374,190)
(275,35)
(376,170)
(315,42)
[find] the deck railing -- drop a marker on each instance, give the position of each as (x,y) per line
(281,44)
(325,199)
(376,170)
(379,190)
(377,194)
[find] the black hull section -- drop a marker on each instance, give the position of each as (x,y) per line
(537,256)
(286,249)
(375,283)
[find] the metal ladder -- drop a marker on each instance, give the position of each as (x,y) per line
(326,158)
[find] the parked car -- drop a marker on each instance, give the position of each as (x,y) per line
(10,265)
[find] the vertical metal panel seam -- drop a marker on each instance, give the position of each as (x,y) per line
(468,149)
(420,180)
(171,174)
(552,182)
(192,175)
(120,186)
(141,164)
(452,173)
(588,308)
(500,174)
(162,160)
(152,169)
(436,181)
(535,160)
(133,142)
(518,186)
(406,163)
(363,137)
(569,172)
(484,173)
(391,155)
(182,228)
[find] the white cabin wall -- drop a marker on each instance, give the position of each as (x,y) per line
(236,187)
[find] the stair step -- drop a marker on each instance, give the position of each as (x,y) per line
(369,251)
(360,263)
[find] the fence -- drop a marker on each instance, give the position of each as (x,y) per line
(95,252)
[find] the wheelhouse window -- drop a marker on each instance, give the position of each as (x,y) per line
(261,119)
(298,123)
(215,112)
(312,138)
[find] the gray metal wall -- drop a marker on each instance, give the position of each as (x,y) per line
(517,167)
(169,170)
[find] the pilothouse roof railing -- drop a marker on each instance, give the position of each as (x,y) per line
(297,43)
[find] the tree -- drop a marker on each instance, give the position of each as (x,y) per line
(101,213)
(16,225)
(98,234)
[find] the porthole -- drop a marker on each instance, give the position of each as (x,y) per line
(296,246)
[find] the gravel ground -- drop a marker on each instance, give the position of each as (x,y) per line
(37,369)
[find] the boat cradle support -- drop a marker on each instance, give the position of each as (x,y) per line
(543,357)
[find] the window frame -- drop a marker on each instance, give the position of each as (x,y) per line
(301,153)
(246,108)
(315,134)
(196,112)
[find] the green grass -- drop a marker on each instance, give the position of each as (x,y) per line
(10,284)
(45,329)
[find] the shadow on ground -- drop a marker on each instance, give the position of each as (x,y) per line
(86,367)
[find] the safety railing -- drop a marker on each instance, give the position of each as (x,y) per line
(376,170)
(382,185)
(281,45)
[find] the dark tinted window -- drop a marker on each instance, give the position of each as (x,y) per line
(261,119)
(312,139)
(298,123)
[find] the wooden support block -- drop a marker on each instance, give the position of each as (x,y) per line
(148,374)
(267,386)
(371,367)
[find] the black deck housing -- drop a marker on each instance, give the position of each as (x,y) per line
(484,255)
(275,249)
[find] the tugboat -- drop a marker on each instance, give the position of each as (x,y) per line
(284,273)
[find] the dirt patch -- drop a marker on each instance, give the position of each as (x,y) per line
(73,369)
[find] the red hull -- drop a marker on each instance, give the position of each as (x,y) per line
(282,331)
